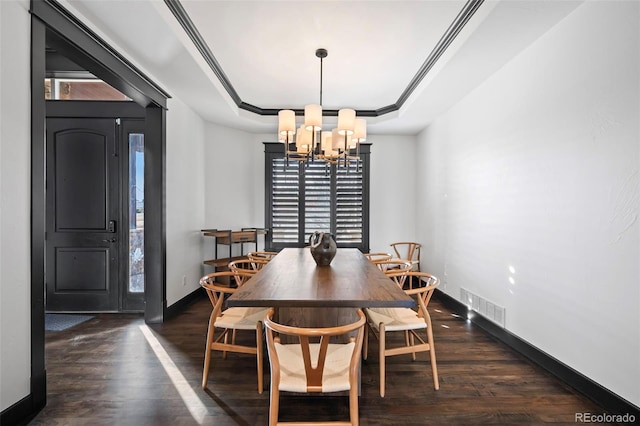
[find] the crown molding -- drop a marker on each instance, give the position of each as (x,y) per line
(468,10)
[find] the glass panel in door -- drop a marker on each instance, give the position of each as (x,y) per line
(136,213)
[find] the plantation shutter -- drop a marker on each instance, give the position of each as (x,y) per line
(349,208)
(303,197)
(317,199)
(285,201)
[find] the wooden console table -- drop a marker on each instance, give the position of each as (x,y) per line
(229,238)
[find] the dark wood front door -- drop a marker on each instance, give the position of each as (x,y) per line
(83,211)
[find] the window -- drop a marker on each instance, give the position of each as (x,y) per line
(304,197)
(136,213)
(64,89)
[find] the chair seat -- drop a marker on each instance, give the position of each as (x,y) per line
(395,319)
(241,318)
(335,376)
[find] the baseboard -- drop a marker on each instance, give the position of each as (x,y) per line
(23,411)
(611,402)
(182,304)
(20,413)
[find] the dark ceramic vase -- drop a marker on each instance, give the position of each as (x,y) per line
(323,248)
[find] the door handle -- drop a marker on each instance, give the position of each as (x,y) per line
(110,240)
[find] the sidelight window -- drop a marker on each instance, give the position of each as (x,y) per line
(136,212)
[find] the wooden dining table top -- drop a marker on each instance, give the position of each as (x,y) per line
(292,279)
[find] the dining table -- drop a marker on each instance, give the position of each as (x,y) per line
(307,295)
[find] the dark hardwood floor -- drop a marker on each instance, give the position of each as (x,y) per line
(114,370)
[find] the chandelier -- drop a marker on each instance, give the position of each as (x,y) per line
(309,142)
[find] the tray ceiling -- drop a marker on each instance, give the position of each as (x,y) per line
(262,53)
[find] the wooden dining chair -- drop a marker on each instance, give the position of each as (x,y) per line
(228,321)
(409,251)
(385,320)
(244,269)
(313,364)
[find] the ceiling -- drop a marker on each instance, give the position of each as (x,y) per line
(402,62)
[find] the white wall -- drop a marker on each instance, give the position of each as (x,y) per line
(530,193)
(185,181)
(233,183)
(15,208)
(393,188)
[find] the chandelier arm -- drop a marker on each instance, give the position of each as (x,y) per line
(313,142)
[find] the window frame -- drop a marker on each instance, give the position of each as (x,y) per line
(275,150)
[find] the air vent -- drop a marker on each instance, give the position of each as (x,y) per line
(482,306)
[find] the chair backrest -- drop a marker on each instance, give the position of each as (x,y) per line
(394,265)
(314,368)
(424,291)
(244,269)
(396,269)
(407,250)
(378,257)
(261,255)
(216,285)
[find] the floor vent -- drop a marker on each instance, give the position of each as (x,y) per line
(487,309)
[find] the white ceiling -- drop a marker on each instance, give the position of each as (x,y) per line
(266,50)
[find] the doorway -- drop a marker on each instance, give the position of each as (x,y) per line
(94,207)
